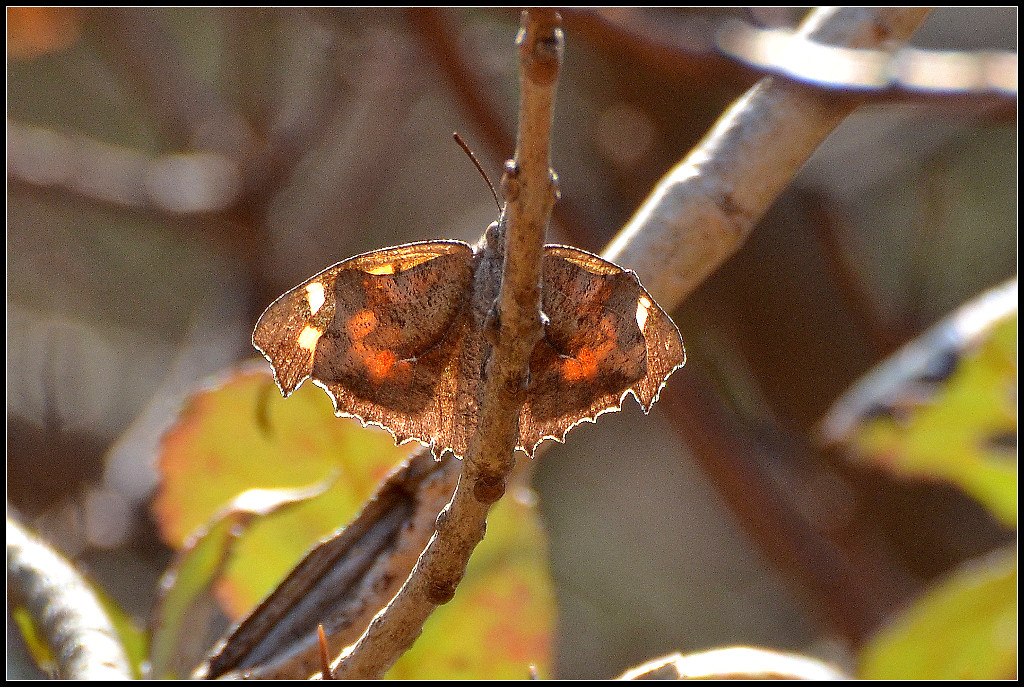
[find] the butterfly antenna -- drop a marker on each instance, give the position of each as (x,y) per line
(465,147)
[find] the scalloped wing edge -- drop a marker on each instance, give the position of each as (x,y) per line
(609,409)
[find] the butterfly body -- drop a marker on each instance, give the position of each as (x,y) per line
(398,338)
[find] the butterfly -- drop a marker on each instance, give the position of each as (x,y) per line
(397,339)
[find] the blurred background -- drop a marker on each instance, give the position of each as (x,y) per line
(170,172)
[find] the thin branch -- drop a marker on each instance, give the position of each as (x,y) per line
(193,183)
(342,582)
(883,336)
(694,220)
(325,654)
(907,75)
(530,194)
(704,209)
(65,609)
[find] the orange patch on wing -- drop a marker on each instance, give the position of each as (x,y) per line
(586,363)
(386,268)
(572,370)
(381,364)
(361,324)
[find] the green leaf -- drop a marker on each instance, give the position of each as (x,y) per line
(501,619)
(242,434)
(34,642)
(183,613)
(963,628)
(954,436)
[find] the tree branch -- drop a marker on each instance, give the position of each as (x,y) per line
(704,209)
(65,609)
(701,213)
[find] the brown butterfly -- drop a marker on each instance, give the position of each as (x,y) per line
(396,337)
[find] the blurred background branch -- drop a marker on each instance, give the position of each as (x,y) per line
(983,82)
(64,610)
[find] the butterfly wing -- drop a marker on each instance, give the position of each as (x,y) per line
(379,332)
(606,337)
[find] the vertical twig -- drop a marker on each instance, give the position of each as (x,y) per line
(530,194)
(883,336)
(441,43)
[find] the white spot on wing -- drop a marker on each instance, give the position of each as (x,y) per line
(308,338)
(316,297)
(642,307)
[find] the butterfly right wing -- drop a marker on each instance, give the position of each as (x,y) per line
(605,337)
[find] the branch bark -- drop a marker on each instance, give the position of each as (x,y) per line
(696,218)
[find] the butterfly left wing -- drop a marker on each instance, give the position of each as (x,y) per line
(605,337)
(379,332)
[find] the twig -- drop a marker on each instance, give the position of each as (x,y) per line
(440,42)
(194,183)
(342,582)
(906,75)
(64,608)
(325,654)
(530,194)
(725,51)
(884,336)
